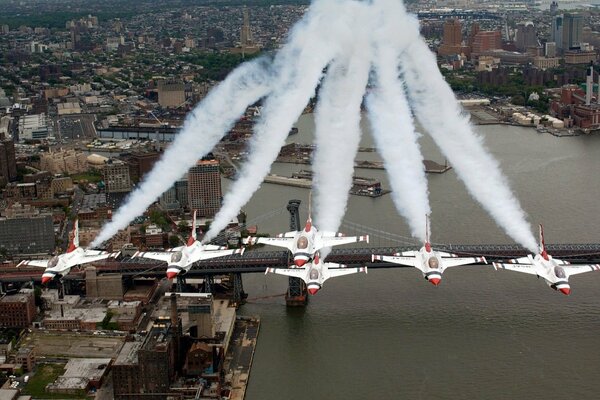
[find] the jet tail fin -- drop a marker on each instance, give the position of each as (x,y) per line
(427,234)
(74,243)
(193,235)
(543,251)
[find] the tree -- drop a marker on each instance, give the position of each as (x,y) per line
(183,228)
(174,241)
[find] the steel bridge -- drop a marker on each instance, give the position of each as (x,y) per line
(462,14)
(254,261)
(259,261)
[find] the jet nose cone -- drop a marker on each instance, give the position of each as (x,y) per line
(313,290)
(299,262)
(171,274)
(435,281)
(46,279)
(565,290)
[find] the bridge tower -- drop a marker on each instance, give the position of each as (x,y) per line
(296,295)
(239,296)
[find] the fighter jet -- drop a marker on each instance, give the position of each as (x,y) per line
(430,262)
(555,272)
(303,244)
(315,273)
(180,259)
(60,265)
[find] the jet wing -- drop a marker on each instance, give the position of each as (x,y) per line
(525,268)
(580,269)
(455,262)
(410,261)
(212,247)
(331,241)
(92,258)
(287,234)
(34,263)
(522,260)
(294,272)
(205,255)
(288,243)
(341,270)
(411,253)
(154,255)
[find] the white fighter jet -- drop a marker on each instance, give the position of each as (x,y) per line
(555,272)
(180,259)
(316,272)
(305,243)
(430,262)
(60,265)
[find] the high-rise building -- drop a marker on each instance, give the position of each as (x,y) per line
(204,188)
(171,93)
(526,36)
(572,31)
(550,50)
(140,164)
(168,200)
(246,35)
(486,40)
(26,232)
(181,191)
(5,29)
(8,164)
(116,177)
(556,34)
(452,41)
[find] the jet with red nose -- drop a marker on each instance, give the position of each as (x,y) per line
(315,273)
(430,262)
(181,259)
(305,243)
(555,272)
(60,265)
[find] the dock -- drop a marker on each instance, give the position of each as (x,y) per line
(360,186)
(240,355)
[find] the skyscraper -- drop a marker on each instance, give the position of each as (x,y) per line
(452,41)
(246,35)
(486,40)
(204,187)
(572,31)
(556,35)
(8,165)
(526,36)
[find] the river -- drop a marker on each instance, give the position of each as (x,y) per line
(481,334)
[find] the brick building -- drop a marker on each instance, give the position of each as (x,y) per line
(17,310)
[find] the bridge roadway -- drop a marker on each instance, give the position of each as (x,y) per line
(464,14)
(258,261)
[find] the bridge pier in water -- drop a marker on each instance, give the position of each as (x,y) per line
(181,283)
(296,295)
(208,283)
(239,296)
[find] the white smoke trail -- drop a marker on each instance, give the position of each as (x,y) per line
(338,133)
(397,141)
(203,128)
(438,111)
(314,44)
